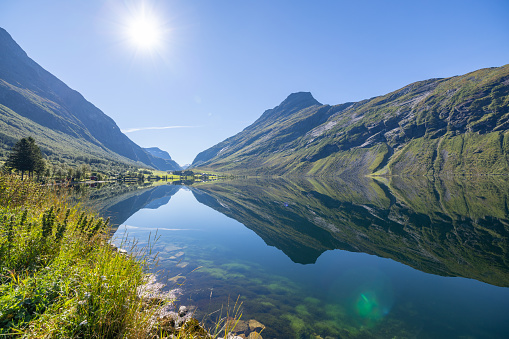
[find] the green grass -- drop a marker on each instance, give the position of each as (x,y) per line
(59,278)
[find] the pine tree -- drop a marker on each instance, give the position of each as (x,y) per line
(26,157)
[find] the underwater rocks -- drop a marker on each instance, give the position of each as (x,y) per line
(175,323)
(244,329)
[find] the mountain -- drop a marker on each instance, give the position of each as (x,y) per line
(437,126)
(157,152)
(162,160)
(457,227)
(65,125)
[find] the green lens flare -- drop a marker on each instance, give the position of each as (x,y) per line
(370,306)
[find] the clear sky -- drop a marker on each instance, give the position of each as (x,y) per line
(200,71)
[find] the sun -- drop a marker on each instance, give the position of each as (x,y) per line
(145,32)
(144,29)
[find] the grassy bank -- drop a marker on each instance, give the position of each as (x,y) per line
(59,278)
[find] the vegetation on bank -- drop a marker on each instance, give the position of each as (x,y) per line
(59,278)
(26,157)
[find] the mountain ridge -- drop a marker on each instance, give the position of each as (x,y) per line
(35,102)
(415,130)
(166,163)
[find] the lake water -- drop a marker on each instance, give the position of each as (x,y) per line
(353,258)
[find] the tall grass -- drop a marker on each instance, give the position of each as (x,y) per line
(59,278)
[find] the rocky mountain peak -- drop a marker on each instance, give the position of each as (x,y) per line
(299,100)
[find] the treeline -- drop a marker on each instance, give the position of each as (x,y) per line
(27,158)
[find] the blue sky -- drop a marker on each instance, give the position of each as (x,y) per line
(220,64)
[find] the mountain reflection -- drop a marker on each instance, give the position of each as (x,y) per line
(455,227)
(119,201)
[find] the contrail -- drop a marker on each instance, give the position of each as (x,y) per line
(129,130)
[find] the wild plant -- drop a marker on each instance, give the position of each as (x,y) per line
(59,276)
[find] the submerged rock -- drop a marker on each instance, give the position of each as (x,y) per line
(255,325)
(242,326)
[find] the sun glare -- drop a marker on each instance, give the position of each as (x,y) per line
(144,29)
(145,33)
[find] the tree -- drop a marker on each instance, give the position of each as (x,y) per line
(26,157)
(83,169)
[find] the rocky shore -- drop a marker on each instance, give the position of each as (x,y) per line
(170,321)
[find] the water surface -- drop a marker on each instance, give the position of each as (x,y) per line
(344,259)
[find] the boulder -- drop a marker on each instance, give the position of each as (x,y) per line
(255,325)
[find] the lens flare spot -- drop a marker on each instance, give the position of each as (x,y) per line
(372,306)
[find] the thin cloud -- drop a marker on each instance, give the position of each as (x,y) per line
(130,130)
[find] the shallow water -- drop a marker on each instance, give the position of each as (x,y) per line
(343,259)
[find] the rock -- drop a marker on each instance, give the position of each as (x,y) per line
(168,324)
(120,250)
(182,311)
(254,335)
(233,336)
(255,325)
(171,248)
(242,326)
(194,328)
(179,279)
(179,254)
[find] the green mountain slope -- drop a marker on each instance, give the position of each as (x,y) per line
(67,126)
(437,126)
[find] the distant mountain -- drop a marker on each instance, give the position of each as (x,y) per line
(157,152)
(65,125)
(436,126)
(162,159)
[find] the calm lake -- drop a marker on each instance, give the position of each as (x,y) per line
(357,258)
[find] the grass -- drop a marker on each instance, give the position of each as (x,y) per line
(59,278)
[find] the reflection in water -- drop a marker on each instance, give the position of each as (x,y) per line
(119,201)
(452,228)
(455,228)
